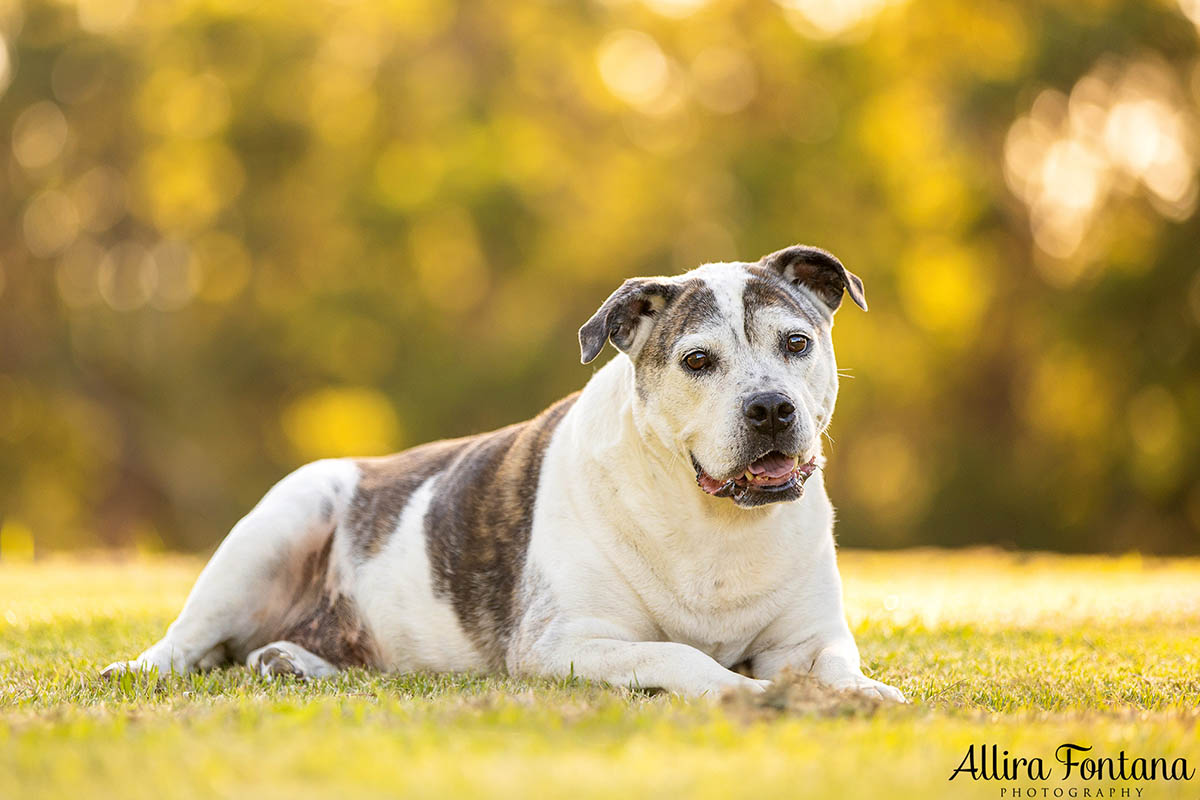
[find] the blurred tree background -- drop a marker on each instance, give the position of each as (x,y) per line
(236,236)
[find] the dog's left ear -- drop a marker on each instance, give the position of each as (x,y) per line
(625,318)
(819,271)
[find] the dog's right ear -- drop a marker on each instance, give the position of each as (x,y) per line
(819,271)
(625,318)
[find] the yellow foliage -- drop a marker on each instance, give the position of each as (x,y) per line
(222,266)
(407,175)
(341,421)
(16,542)
(1067,396)
(451,270)
(944,288)
(887,476)
(173,103)
(1155,426)
(182,185)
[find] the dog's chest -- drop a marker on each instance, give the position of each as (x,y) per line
(723,633)
(718,606)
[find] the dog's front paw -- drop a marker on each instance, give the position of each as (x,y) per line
(732,684)
(862,686)
(119,668)
(742,685)
(756,685)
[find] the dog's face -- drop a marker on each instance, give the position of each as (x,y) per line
(734,366)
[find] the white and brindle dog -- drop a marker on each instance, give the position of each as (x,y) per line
(657,529)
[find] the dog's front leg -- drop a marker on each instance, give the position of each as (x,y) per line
(832,658)
(812,636)
(674,667)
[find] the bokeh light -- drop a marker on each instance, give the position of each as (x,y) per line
(1123,129)
(343,421)
(828,18)
(635,69)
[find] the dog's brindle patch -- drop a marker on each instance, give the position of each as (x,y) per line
(693,306)
(331,627)
(765,289)
(477,531)
(384,490)
(478,524)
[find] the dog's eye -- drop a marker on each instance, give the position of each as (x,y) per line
(797,343)
(697,360)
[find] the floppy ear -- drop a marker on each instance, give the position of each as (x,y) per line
(819,271)
(625,318)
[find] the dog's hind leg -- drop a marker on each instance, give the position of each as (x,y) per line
(245,594)
(288,658)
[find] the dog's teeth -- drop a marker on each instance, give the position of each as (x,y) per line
(795,461)
(749,475)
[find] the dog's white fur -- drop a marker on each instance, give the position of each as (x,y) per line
(633,575)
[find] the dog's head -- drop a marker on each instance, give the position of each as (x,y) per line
(734,366)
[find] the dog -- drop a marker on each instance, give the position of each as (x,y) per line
(666,527)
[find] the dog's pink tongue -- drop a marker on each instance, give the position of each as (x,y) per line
(709,483)
(773,465)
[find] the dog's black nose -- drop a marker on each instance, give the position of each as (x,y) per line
(769,413)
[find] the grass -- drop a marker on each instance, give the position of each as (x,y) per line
(1025,652)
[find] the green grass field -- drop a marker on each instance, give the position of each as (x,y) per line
(1025,652)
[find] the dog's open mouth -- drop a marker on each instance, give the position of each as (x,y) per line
(772,476)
